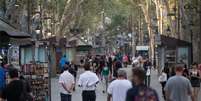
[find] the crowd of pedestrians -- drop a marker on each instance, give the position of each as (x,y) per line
(180,82)
(110,71)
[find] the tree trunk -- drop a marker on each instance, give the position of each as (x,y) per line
(145,9)
(69,17)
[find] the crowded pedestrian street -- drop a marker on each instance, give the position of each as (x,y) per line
(100,50)
(100,95)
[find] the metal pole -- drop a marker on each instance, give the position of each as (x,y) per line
(191,45)
(49,72)
(41,18)
(200,26)
(178,19)
(139,35)
(28,15)
(28,29)
(4,7)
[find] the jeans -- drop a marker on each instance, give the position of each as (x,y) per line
(88,96)
(106,81)
(65,97)
(148,80)
(163,86)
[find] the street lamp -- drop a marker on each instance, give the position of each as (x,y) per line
(16,4)
(130,35)
(49,34)
(108,20)
(37,30)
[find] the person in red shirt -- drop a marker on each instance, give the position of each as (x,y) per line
(125,60)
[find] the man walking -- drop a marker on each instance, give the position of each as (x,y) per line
(140,91)
(147,67)
(88,81)
(16,90)
(178,88)
(62,63)
(105,73)
(116,67)
(118,88)
(67,83)
(2,76)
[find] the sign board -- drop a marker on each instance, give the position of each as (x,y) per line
(139,48)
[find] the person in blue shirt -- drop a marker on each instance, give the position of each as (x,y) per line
(2,77)
(62,62)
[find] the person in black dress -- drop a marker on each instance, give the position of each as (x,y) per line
(195,80)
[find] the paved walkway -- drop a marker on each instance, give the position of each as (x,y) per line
(76,96)
(156,85)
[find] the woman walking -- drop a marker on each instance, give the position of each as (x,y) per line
(195,80)
(163,79)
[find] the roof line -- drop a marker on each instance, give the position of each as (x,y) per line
(4,20)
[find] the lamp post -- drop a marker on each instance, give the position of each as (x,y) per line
(16,4)
(48,59)
(38,32)
(49,34)
(179,18)
(28,15)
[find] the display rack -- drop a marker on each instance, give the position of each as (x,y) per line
(37,75)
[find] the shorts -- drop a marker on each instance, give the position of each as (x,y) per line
(195,83)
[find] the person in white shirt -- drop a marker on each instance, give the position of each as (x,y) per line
(88,81)
(67,83)
(163,79)
(118,88)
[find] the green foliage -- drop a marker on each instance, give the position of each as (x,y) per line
(89,14)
